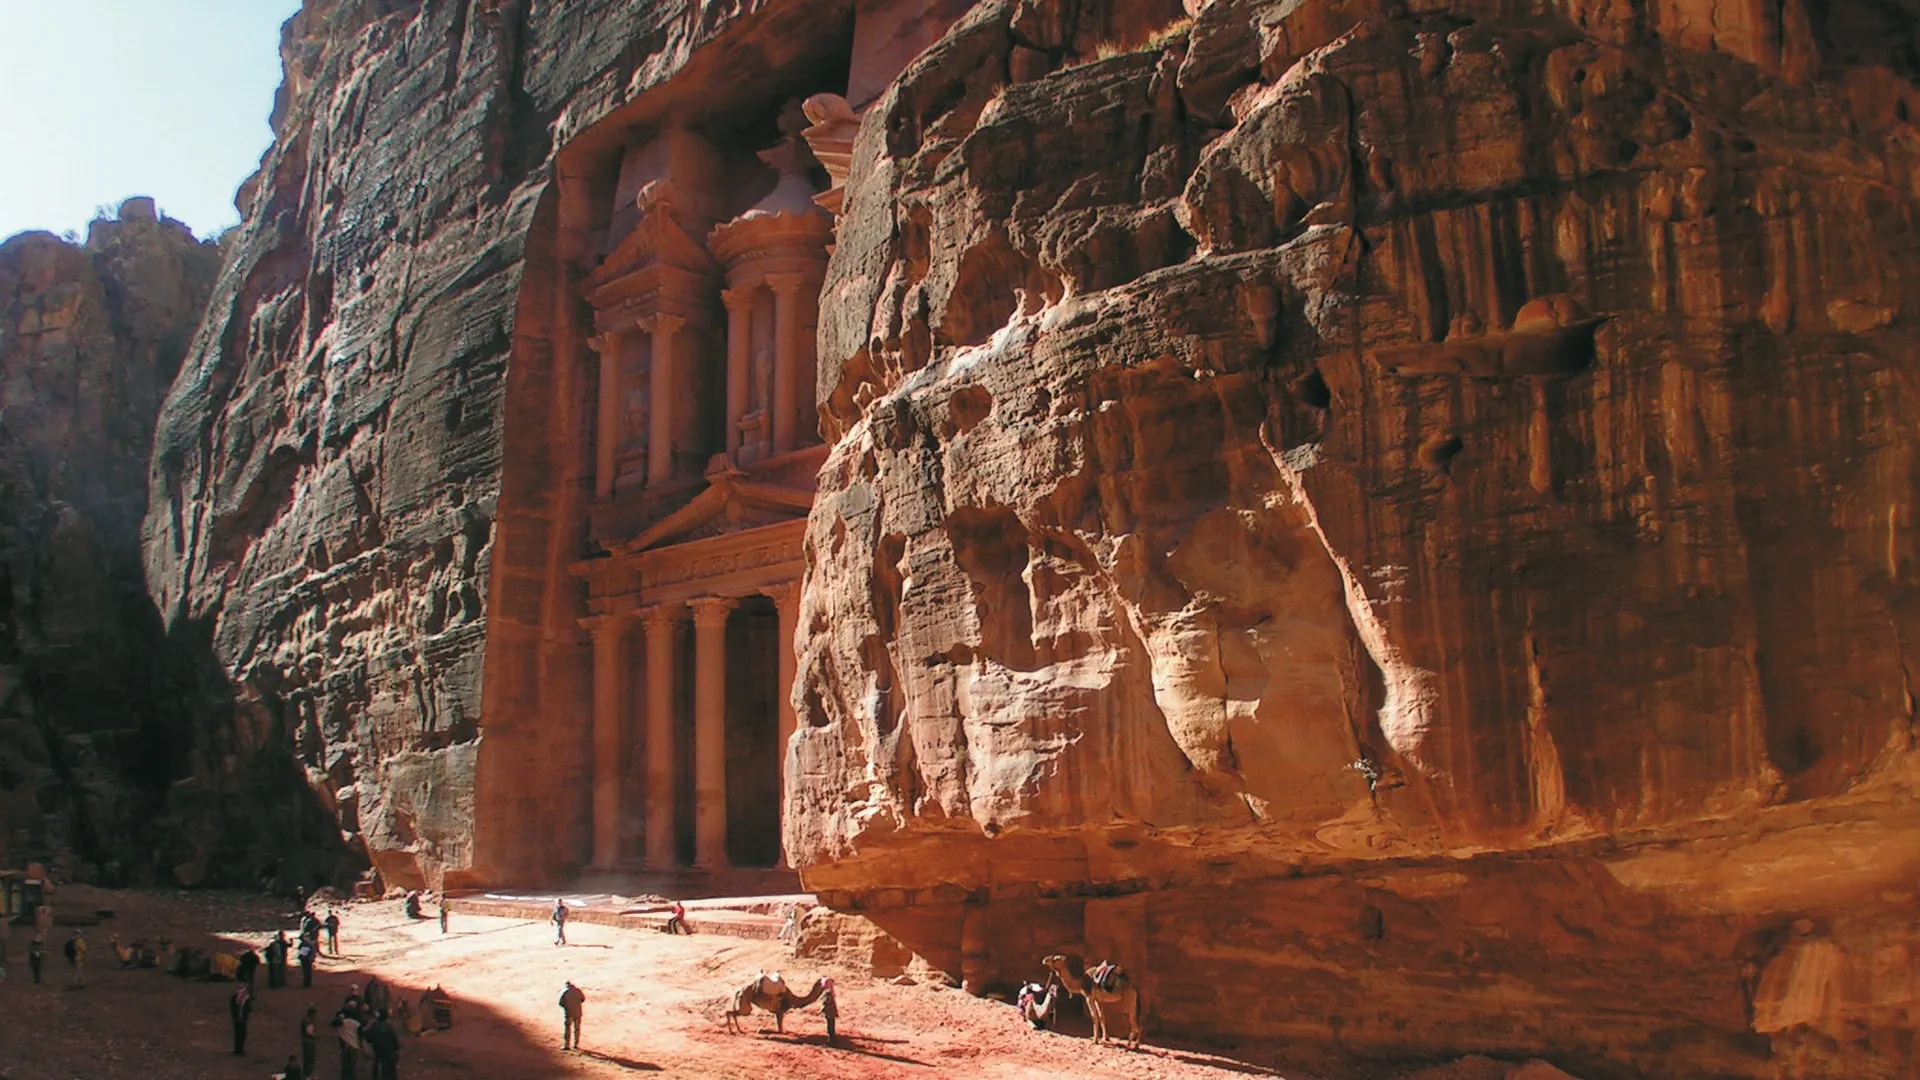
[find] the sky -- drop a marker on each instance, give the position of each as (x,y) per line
(103,99)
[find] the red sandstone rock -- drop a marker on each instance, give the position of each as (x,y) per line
(90,335)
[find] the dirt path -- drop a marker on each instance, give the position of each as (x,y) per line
(653,1007)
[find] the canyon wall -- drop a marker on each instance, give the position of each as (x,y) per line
(91,333)
(1394,520)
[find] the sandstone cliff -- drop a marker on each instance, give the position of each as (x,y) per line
(1396,497)
(90,336)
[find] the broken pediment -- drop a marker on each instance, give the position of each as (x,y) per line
(731,503)
(659,240)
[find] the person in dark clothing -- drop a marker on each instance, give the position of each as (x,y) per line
(829,1009)
(277,961)
(443,914)
(240,1009)
(571,1001)
(249,962)
(375,996)
(385,1044)
(294,1072)
(559,921)
(308,953)
(36,957)
(309,1041)
(333,932)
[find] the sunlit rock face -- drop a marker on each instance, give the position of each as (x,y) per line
(1396,522)
(90,335)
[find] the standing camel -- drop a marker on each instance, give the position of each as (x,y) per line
(1119,994)
(770,993)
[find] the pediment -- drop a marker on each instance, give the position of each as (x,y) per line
(658,240)
(730,504)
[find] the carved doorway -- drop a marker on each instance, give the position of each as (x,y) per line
(753,733)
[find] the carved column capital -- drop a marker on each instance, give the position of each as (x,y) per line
(785,596)
(712,611)
(661,322)
(738,299)
(786,283)
(661,617)
(610,622)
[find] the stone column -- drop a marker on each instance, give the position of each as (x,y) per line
(710,730)
(607,433)
(663,627)
(787,599)
(660,399)
(609,699)
(739,327)
(786,355)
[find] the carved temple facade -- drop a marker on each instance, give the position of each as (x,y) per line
(660,451)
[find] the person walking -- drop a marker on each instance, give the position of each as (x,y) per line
(572,999)
(385,1044)
(333,932)
(307,953)
(309,1041)
(77,958)
(443,918)
(36,957)
(247,963)
(240,1010)
(347,1020)
(559,919)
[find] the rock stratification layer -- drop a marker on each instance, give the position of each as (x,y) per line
(1334,501)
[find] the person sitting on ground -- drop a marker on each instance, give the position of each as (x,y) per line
(677,921)
(413,905)
(571,1001)
(559,920)
(291,1072)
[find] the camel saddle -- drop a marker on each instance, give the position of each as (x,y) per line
(1104,976)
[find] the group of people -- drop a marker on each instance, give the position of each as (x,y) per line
(75,948)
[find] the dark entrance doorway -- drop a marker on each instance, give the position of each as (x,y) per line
(753,733)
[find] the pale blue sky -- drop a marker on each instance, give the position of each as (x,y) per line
(102,99)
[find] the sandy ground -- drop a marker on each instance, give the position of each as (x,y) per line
(653,1006)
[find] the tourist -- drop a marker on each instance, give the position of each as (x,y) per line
(559,920)
(36,957)
(309,1041)
(571,1000)
(307,953)
(829,1008)
(677,920)
(443,914)
(348,1021)
(249,962)
(277,961)
(77,957)
(239,1009)
(375,997)
(333,932)
(385,1044)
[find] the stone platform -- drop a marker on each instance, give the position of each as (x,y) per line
(734,916)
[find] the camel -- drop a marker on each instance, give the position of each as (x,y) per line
(770,993)
(1118,993)
(1036,1004)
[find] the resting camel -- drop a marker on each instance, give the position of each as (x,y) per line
(770,993)
(1036,1003)
(1119,994)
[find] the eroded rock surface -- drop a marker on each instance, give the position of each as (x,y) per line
(90,335)
(1376,443)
